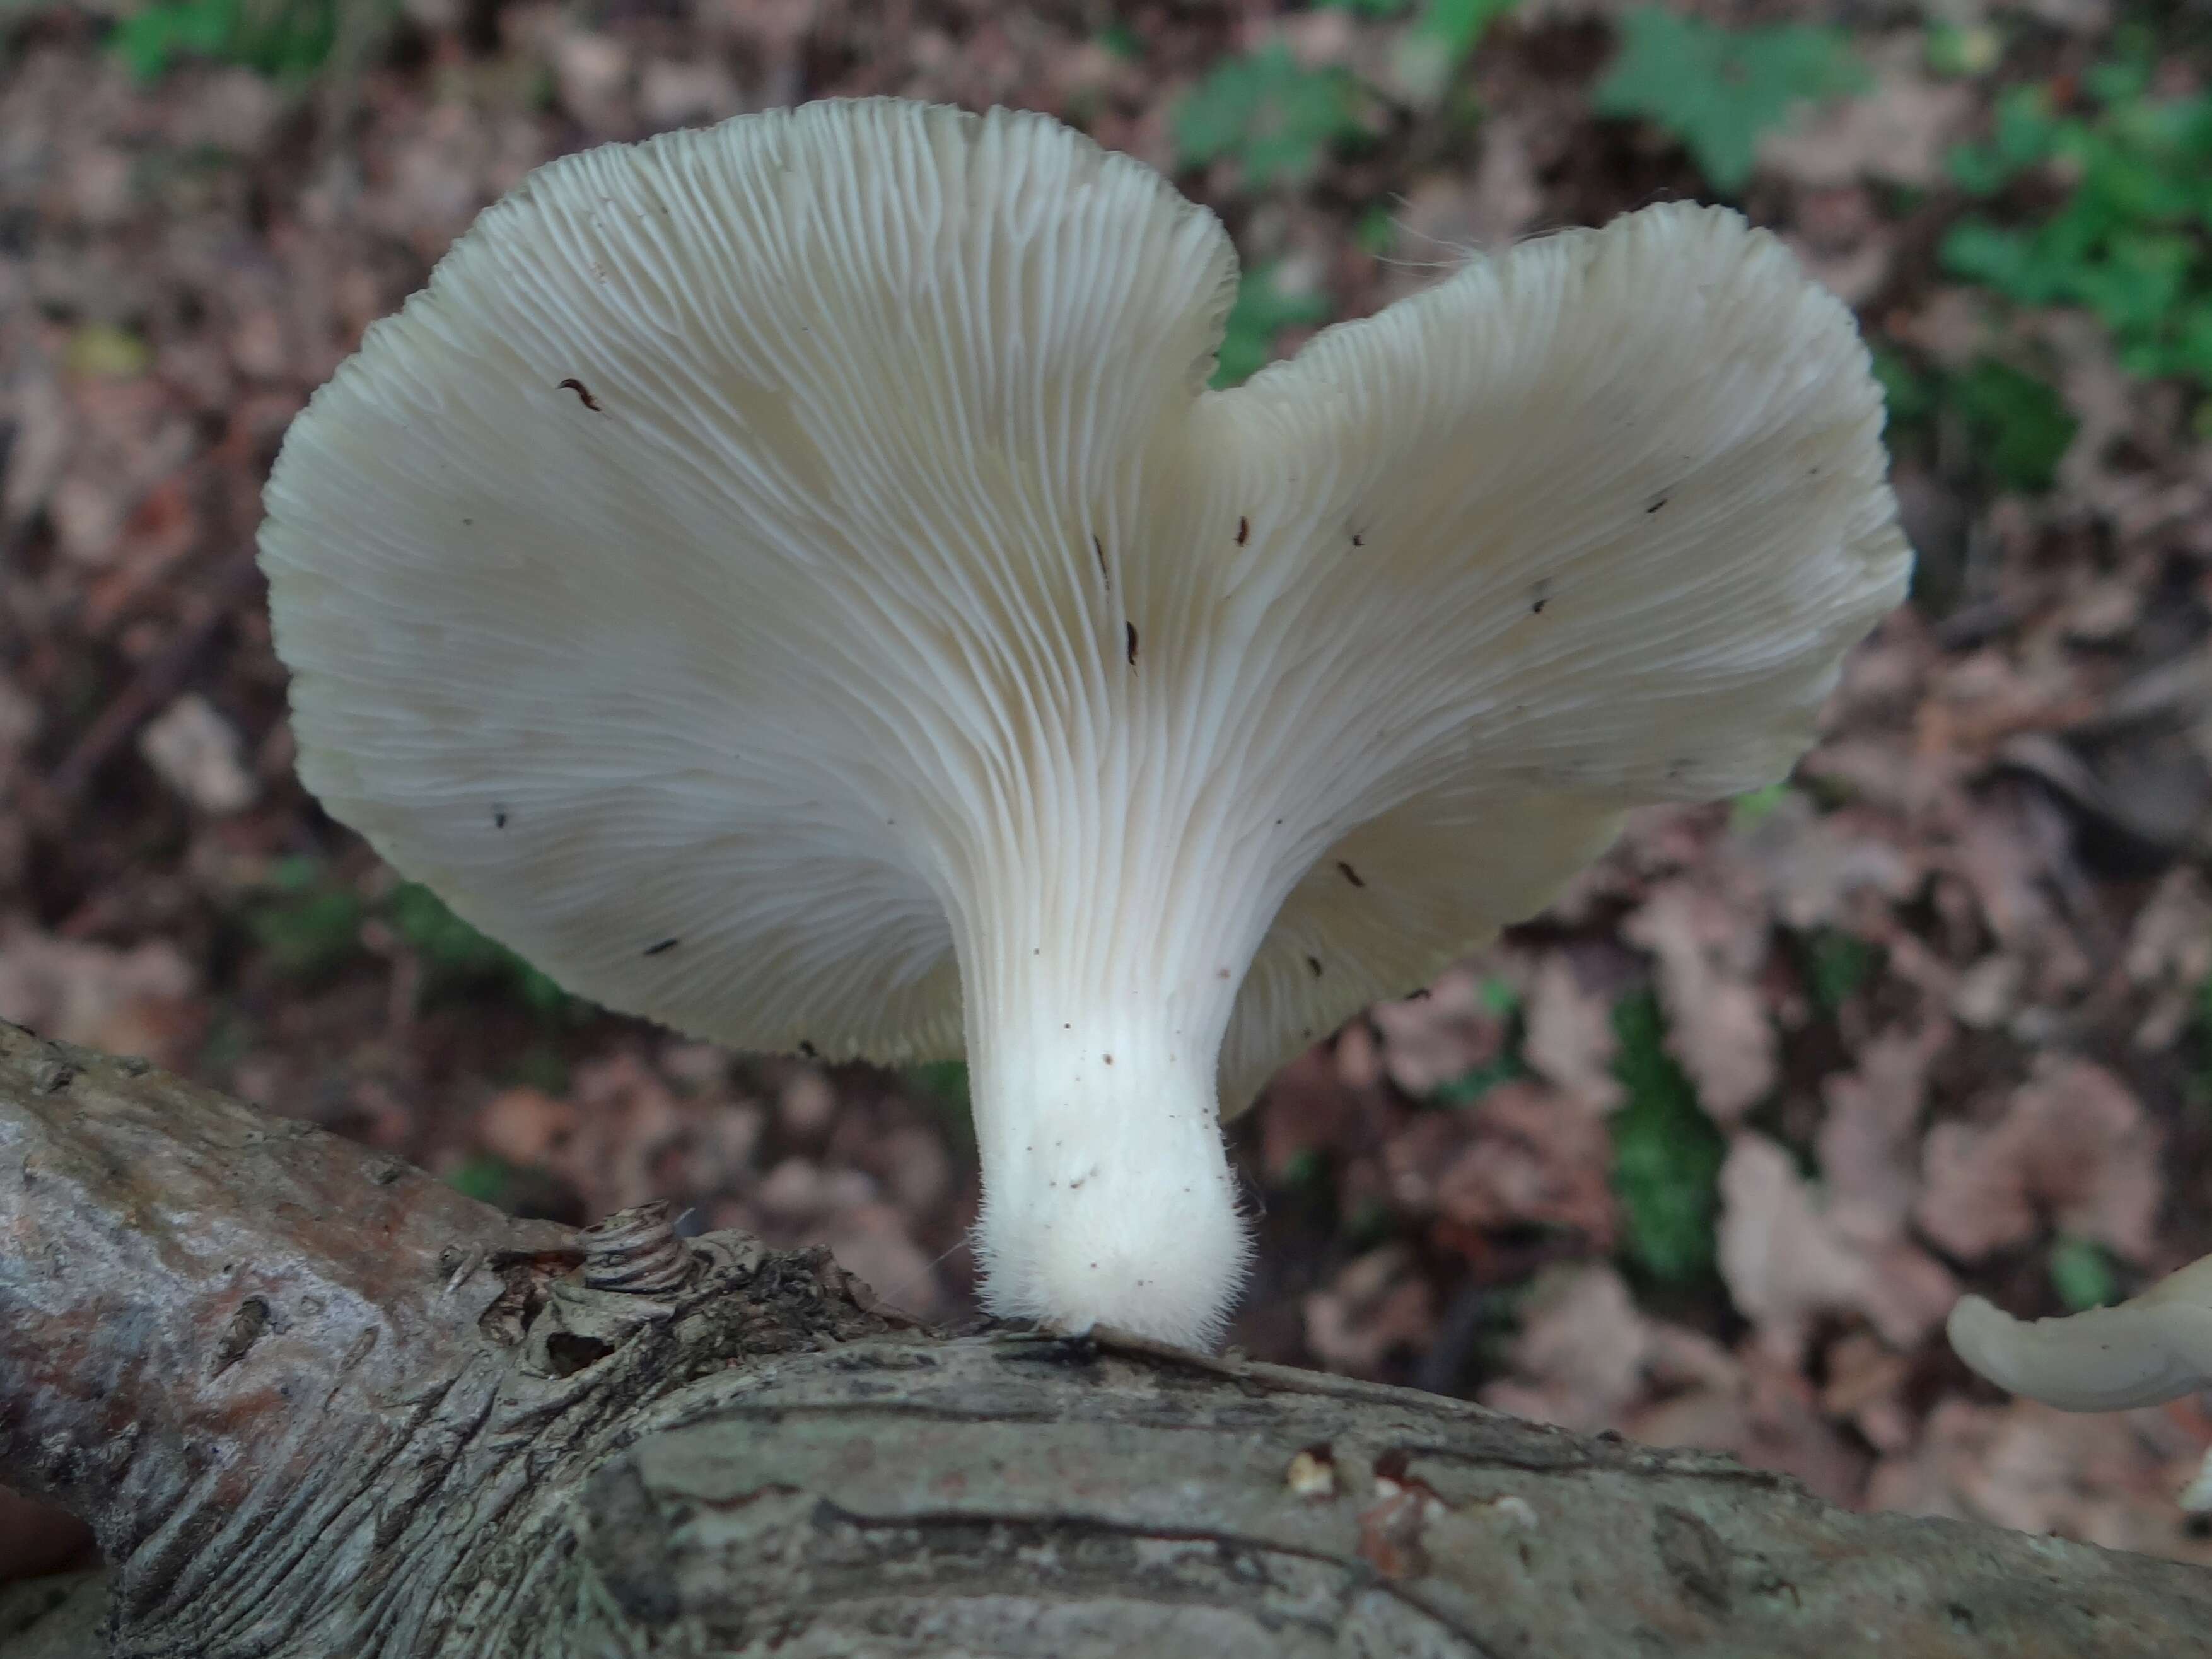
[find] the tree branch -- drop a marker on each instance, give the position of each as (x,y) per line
(314,1403)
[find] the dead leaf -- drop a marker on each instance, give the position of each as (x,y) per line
(1765,1414)
(197,753)
(2073,1149)
(1567,1034)
(1578,1360)
(1529,1155)
(1709,951)
(2169,954)
(1379,1306)
(1865,1383)
(2008,847)
(1782,1262)
(525,1126)
(2107,1478)
(134,1001)
(1869,1134)
(1788,1259)
(872,1242)
(1430,1041)
(1815,863)
(627,1118)
(1899,131)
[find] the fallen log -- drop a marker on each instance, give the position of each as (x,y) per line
(313,1402)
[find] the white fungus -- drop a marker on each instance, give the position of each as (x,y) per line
(791,580)
(2154,1347)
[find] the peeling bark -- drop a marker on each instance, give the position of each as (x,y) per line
(313,1403)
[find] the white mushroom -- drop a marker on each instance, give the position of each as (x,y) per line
(2153,1348)
(791,580)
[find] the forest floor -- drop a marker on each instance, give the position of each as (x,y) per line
(1704,1153)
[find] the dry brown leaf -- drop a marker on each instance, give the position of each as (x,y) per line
(1448,217)
(2169,953)
(1899,131)
(1578,1360)
(1308,1108)
(2104,1477)
(1430,1041)
(1380,1305)
(1530,1156)
(1788,1259)
(197,753)
(1709,950)
(134,1001)
(873,1241)
(1864,1386)
(2073,1147)
(1567,1034)
(525,1126)
(1815,864)
(1765,1414)
(627,1118)
(1781,1261)
(2006,851)
(1869,1134)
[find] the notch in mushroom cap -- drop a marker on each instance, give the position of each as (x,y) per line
(2152,1348)
(791,580)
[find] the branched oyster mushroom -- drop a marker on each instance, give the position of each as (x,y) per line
(791,580)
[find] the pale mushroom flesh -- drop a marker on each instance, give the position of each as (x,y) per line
(791,580)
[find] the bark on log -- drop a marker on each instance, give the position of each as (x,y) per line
(315,1403)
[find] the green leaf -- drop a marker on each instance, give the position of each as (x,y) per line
(1376,231)
(486,1178)
(1273,114)
(1439,41)
(1263,310)
(1476,1081)
(1836,965)
(1457,26)
(1124,42)
(2019,427)
(1982,253)
(942,1086)
(311,925)
(285,39)
(1909,395)
(2082,1273)
(456,958)
(1956,50)
(944,1081)
(1667,1154)
(2127,240)
(1718,89)
(1749,812)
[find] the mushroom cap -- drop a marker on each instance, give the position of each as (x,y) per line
(749,536)
(2152,1348)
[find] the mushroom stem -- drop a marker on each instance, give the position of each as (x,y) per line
(2154,1348)
(1107,1193)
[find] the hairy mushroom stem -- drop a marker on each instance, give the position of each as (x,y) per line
(1107,1194)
